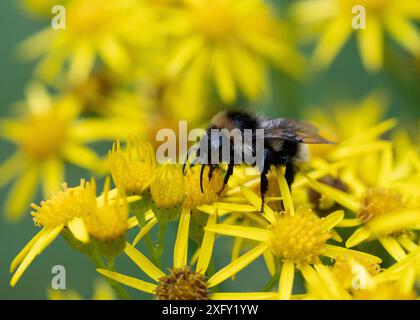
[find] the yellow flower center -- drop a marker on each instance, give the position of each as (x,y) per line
(215,20)
(109,221)
(167,188)
(211,188)
(133,170)
(66,205)
(299,238)
(43,135)
(94,91)
(182,284)
(379,201)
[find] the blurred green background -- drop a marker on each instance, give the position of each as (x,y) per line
(344,80)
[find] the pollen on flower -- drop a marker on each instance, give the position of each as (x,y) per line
(66,205)
(167,189)
(379,201)
(110,221)
(43,135)
(134,169)
(211,188)
(344,268)
(182,284)
(299,238)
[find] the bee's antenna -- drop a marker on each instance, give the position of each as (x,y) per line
(201,177)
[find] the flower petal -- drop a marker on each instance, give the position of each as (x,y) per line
(237,265)
(392,246)
(53,176)
(269,261)
(143,263)
(285,193)
(244,296)
(144,230)
(332,220)
(339,196)
(181,243)
(240,231)
(21,193)
(370,41)
(256,202)
(22,254)
(129,281)
(360,235)
(334,251)
(78,229)
(287,276)
(206,246)
(38,246)
(10,168)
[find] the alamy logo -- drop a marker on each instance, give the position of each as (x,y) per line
(214,146)
(360,277)
(58,22)
(58,282)
(359,20)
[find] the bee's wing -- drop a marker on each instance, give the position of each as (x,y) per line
(292,130)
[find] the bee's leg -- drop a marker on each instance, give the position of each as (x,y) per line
(289,173)
(229,172)
(263,189)
(264,179)
(194,161)
(201,177)
(211,170)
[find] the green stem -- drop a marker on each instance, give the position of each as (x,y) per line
(96,258)
(272,282)
(161,242)
(139,209)
(211,270)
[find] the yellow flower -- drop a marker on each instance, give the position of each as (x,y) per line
(181,282)
(297,237)
(346,267)
(95,30)
(109,222)
(167,189)
(353,124)
(184,191)
(66,208)
(300,238)
(228,42)
(333,21)
(357,278)
(384,198)
(132,170)
(47,137)
(212,188)
(80,212)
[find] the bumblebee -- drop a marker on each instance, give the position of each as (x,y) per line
(284,144)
